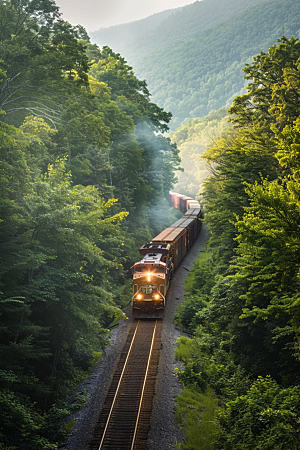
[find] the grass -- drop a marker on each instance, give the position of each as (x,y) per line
(196,412)
(183,348)
(96,358)
(188,282)
(69,426)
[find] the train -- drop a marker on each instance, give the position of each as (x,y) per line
(153,273)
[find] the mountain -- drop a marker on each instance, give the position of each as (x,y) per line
(203,73)
(192,60)
(125,37)
(144,37)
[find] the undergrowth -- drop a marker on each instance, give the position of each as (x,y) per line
(189,281)
(196,412)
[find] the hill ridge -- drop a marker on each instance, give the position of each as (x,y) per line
(204,72)
(145,35)
(200,73)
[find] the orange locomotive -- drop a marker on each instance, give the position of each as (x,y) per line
(152,275)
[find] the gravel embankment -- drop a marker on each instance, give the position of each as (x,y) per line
(164,428)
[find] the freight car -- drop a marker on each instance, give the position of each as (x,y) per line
(152,275)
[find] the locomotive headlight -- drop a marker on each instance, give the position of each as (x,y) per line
(149,276)
(139,296)
(156,297)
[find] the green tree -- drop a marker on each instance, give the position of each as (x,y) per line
(58,269)
(39,52)
(265,418)
(154,155)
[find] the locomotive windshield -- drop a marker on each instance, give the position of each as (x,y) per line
(141,269)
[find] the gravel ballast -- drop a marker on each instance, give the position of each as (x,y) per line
(164,430)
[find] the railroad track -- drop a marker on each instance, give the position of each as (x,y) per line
(124,421)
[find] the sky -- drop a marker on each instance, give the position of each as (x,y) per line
(95,14)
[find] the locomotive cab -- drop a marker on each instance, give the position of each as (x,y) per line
(149,286)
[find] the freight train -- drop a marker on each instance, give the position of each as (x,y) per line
(152,275)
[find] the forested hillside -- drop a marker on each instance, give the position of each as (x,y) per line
(145,37)
(241,369)
(83,158)
(203,73)
(125,37)
(195,63)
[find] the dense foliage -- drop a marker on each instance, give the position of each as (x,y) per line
(196,68)
(83,159)
(243,305)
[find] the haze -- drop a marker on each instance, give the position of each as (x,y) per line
(95,14)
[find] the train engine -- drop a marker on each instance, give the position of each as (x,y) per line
(151,277)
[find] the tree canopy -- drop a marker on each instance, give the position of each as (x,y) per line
(243,303)
(83,159)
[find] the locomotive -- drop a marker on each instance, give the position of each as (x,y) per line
(152,275)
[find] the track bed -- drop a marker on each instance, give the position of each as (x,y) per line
(124,421)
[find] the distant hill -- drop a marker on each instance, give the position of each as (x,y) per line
(143,37)
(192,59)
(125,38)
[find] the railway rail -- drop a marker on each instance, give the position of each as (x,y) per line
(124,421)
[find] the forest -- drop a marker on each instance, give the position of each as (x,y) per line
(85,168)
(84,158)
(241,364)
(203,73)
(144,37)
(193,59)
